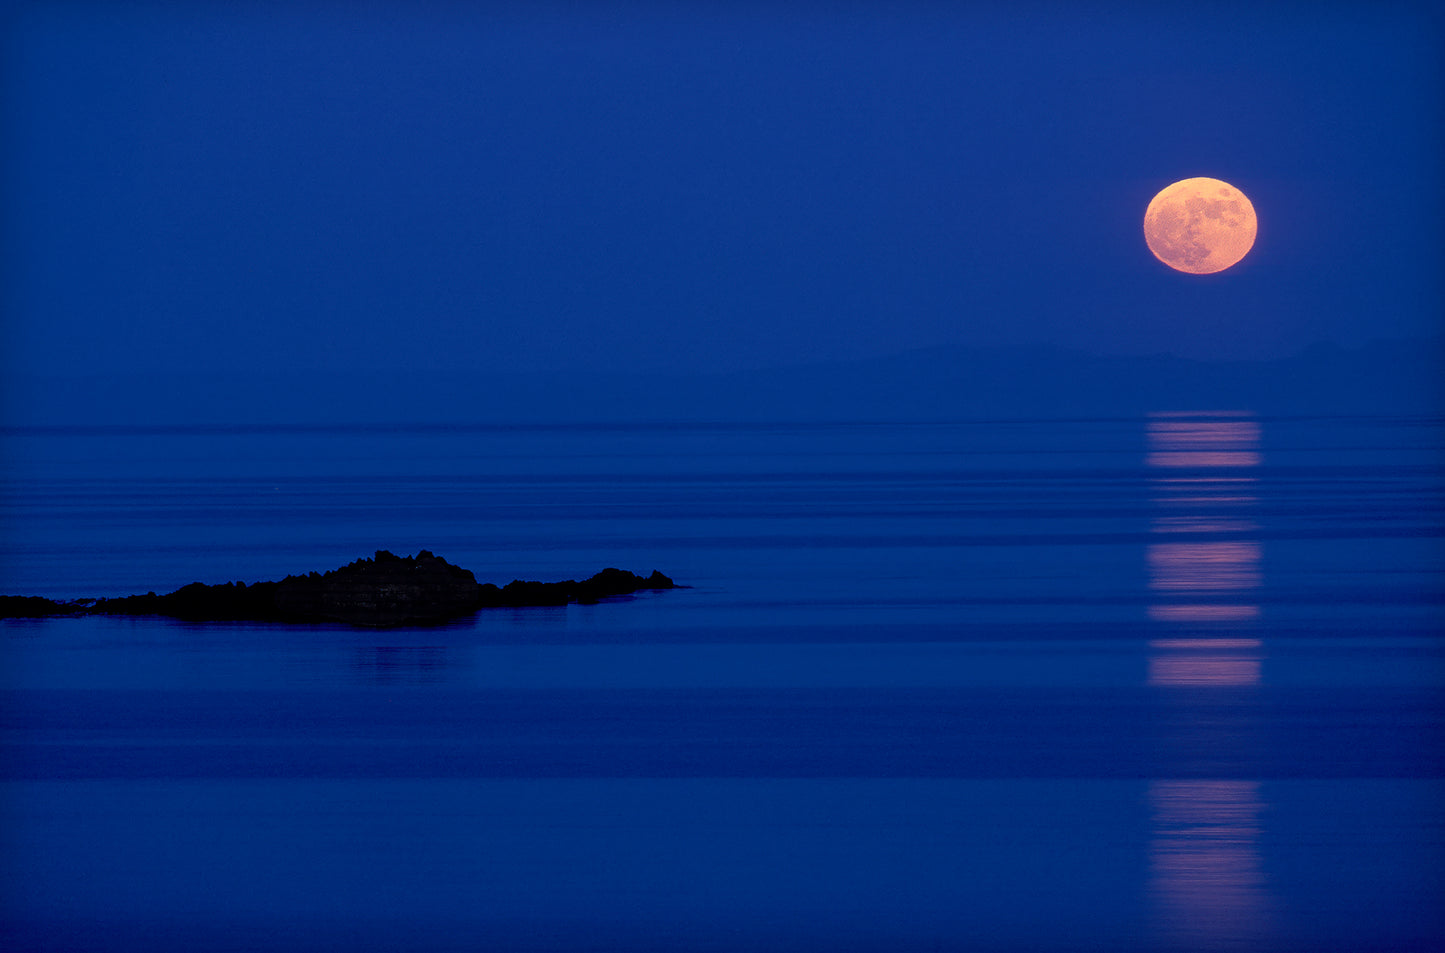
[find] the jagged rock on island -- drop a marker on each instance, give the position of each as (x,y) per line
(386,590)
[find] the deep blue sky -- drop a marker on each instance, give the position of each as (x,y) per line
(410,186)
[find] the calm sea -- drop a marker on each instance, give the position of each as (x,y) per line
(1168,683)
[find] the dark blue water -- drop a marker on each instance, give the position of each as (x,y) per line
(1172,683)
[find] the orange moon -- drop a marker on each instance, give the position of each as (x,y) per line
(1200,226)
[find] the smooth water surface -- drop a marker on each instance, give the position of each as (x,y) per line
(1171,683)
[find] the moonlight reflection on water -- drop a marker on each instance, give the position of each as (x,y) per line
(1207,879)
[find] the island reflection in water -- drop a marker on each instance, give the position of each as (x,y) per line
(1206,873)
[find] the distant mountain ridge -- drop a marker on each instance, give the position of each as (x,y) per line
(939,383)
(947,382)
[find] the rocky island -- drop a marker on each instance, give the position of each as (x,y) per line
(385,590)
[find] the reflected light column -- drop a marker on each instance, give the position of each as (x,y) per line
(1206,873)
(1205,562)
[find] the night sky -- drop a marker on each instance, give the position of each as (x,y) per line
(255,187)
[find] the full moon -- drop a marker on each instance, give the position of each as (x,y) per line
(1200,226)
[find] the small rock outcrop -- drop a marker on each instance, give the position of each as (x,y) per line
(385,590)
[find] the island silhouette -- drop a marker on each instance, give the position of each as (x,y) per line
(383,591)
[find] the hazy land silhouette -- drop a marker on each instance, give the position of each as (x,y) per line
(939,383)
